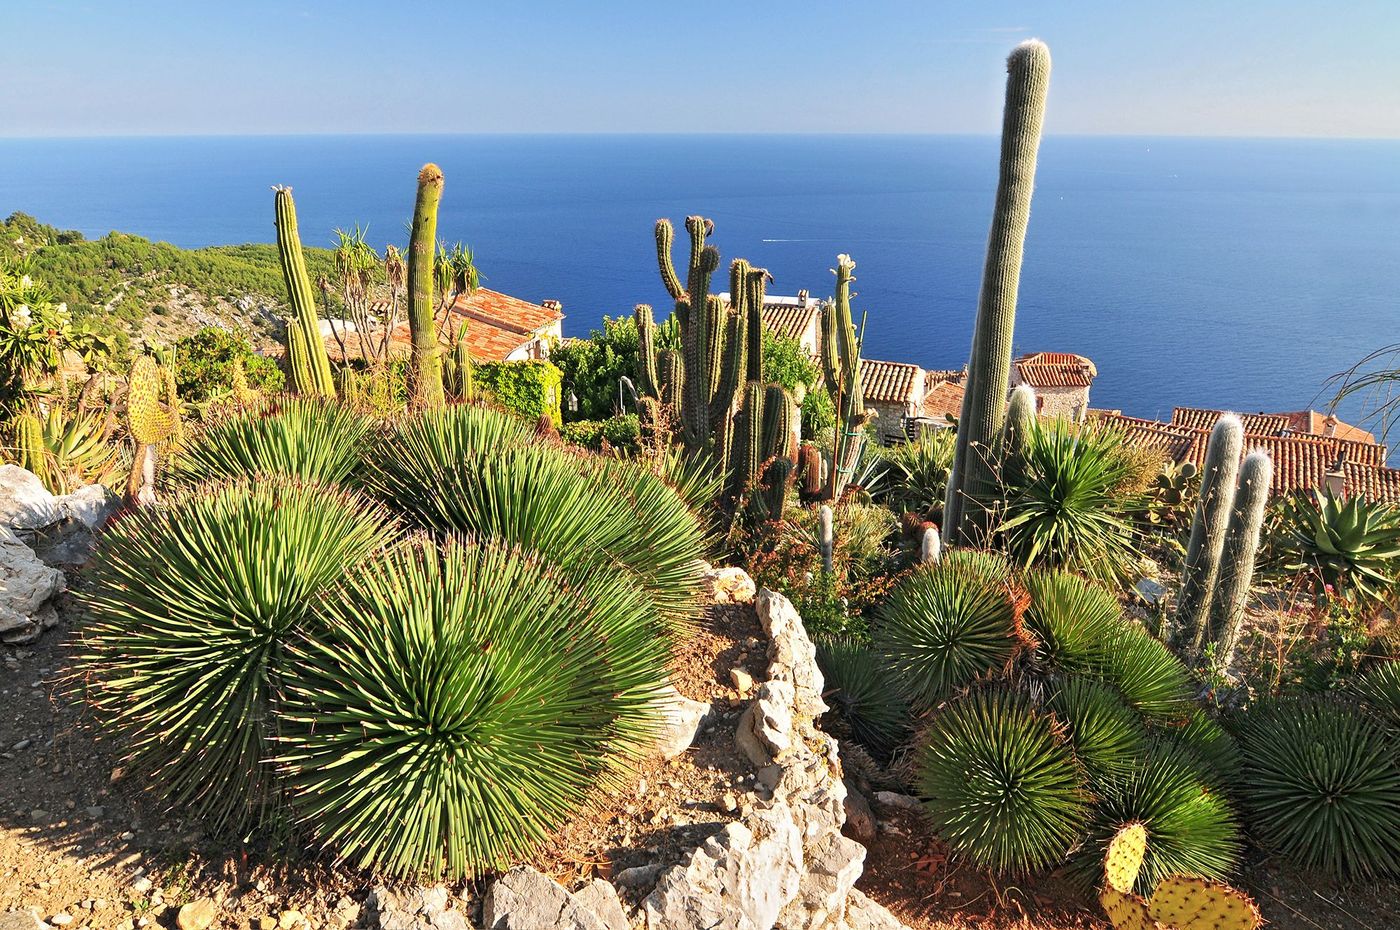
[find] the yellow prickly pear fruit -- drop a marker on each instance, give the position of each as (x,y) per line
(148,420)
(1125,911)
(1185,903)
(1124,859)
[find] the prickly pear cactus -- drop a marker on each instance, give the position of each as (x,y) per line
(148,419)
(1180,902)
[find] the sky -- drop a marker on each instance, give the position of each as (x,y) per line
(1188,67)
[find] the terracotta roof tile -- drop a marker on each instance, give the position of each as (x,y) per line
(944,400)
(941,375)
(1264,424)
(1056,369)
(497,325)
(889,382)
(788,319)
(1304,422)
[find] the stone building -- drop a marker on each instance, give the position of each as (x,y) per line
(1061,381)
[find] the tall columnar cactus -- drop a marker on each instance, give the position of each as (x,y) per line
(826,537)
(840,356)
(347,385)
(1020,419)
(425,375)
(1237,556)
(149,422)
(303,301)
(746,456)
(30,450)
(967,512)
(809,473)
(1201,567)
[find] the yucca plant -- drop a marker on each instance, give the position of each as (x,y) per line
(1107,735)
(1150,677)
(915,474)
(1069,500)
(79,447)
(1351,545)
(457,704)
(1191,829)
(858,687)
(192,606)
(1000,784)
(1211,745)
(309,438)
(948,624)
(1072,620)
(1379,688)
(1320,785)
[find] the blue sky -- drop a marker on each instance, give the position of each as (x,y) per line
(1227,67)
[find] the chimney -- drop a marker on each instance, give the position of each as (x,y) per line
(802,296)
(1329,426)
(554,305)
(1335,479)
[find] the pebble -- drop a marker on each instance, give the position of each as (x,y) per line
(96,812)
(142,885)
(288,920)
(38,813)
(22,744)
(731,803)
(267,922)
(199,914)
(61,919)
(743,681)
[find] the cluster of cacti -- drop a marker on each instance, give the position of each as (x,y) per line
(150,422)
(1219,565)
(809,473)
(840,358)
(307,360)
(457,369)
(1179,902)
(973,487)
(714,387)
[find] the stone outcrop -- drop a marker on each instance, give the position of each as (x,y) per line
(27,587)
(415,909)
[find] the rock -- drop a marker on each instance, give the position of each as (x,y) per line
(895,799)
(860,819)
(740,879)
(865,914)
(414,909)
(791,655)
(1150,591)
(61,919)
(26,586)
(765,729)
(728,585)
(90,506)
(638,876)
(21,920)
(832,869)
(743,681)
(290,920)
(199,914)
(683,719)
(25,504)
(601,898)
(142,885)
(524,899)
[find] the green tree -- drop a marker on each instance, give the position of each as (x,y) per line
(206,365)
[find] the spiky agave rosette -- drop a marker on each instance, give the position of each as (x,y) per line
(458,703)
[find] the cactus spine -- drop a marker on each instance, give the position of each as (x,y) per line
(1202,565)
(840,353)
(425,376)
(309,345)
(30,451)
(1237,556)
(970,499)
(1020,419)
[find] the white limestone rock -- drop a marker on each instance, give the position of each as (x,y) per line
(765,728)
(91,505)
(832,869)
(792,657)
(683,719)
(524,899)
(413,909)
(601,898)
(26,587)
(25,504)
(728,585)
(865,914)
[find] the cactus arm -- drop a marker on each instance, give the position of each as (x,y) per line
(754,295)
(1241,545)
(300,295)
(647,379)
(826,537)
(989,367)
(425,387)
(1201,567)
(665,238)
(841,370)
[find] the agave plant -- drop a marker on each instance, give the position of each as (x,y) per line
(1211,746)
(1191,830)
(948,624)
(1072,619)
(1067,501)
(310,438)
(1107,736)
(79,448)
(192,608)
(858,688)
(457,704)
(1320,783)
(1379,688)
(1351,546)
(1150,677)
(1000,784)
(915,476)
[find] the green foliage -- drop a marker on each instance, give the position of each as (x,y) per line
(1380,689)
(1148,674)
(999,784)
(592,368)
(857,687)
(309,438)
(192,608)
(1068,504)
(455,706)
(1072,620)
(787,364)
(948,624)
(1320,785)
(207,360)
(528,388)
(1212,747)
(1349,547)
(76,448)
(915,474)
(1190,828)
(622,432)
(1106,734)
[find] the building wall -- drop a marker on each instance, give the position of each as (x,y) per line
(891,419)
(1070,402)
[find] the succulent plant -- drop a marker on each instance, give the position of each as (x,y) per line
(29,449)
(1232,588)
(840,356)
(1180,902)
(1201,568)
(1350,545)
(858,688)
(425,376)
(1379,688)
(149,421)
(1107,735)
(311,366)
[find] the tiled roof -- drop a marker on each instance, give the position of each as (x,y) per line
(1323,424)
(497,325)
(788,319)
(1264,424)
(1372,483)
(943,401)
(1304,422)
(889,382)
(1177,443)
(1056,369)
(506,312)
(938,376)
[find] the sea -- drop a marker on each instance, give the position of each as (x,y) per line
(1228,273)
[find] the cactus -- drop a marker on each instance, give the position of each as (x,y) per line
(30,451)
(309,344)
(840,356)
(347,385)
(825,537)
(809,472)
(1202,565)
(425,375)
(1020,419)
(777,449)
(149,422)
(1180,902)
(746,457)
(971,498)
(1237,556)
(931,546)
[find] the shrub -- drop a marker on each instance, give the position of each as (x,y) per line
(586,433)
(455,706)
(1380,689)
(1067,501)
(192,607)
(591,368)
(999,784)
(622,432)
(1350,547)
(530,389)
(1320,784)
(302,437)
(858,688)
(205,365)
(1191,829)
(915,474)
(948,624)
(1106,734)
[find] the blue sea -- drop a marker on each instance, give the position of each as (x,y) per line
(1209,272)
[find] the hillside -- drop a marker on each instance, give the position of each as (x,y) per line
(134,289)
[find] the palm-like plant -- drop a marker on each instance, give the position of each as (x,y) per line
(948,624)
(357,269)
(458,704)
(858,687)
(192,608)
(1068,498)
(1320,786)
(1190,828)
(1350,545)
(915,476)
(310,438)
(1000,784)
